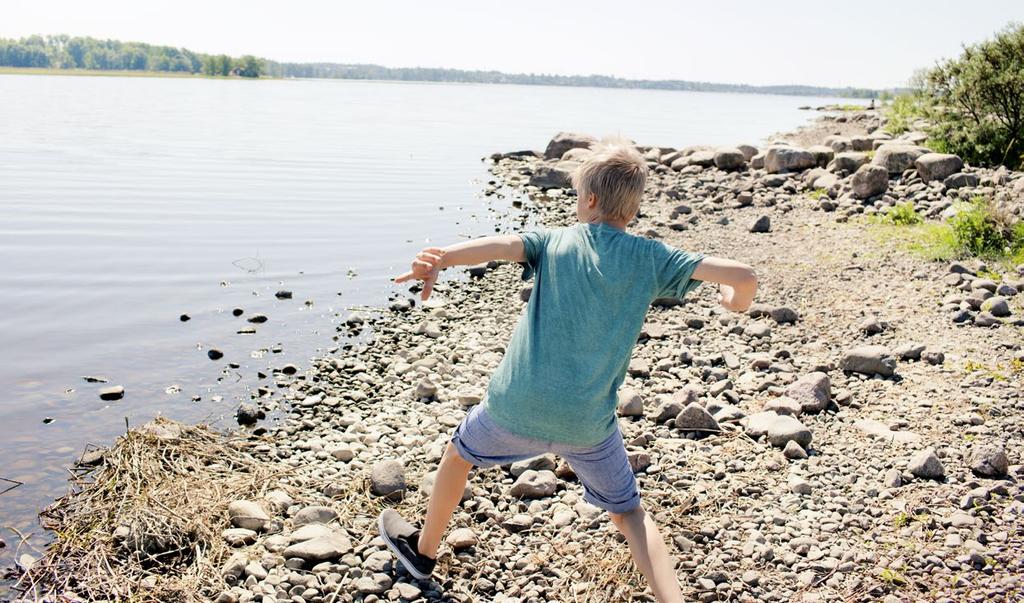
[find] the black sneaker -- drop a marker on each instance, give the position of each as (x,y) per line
(403,540)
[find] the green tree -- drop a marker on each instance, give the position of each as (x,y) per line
(979,100)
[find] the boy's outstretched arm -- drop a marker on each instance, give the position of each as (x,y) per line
(432,260)
(737,281)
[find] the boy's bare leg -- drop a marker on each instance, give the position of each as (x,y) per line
(448,487)
(650,554)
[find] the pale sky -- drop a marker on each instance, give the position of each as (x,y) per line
(868,43)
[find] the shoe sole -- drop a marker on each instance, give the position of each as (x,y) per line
(409,567)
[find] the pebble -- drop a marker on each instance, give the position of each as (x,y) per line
(387,479)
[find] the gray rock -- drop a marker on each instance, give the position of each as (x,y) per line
(988,461)
(996,305)
(897,158)
(701,158)
(868,360)
(112,393)
(248,413)
(870,181)
(321,548)
(937,166)
(813,391)
(374,584)
(757,424)
(729,159)
(780,158)
(784,315)
(892,479)
(784,405)
(849,162)
(933,356)
(462,538)
(238,536)
(631,404)
(314,514)
(882,431)
(544,462)
(793,451)
(960,180)
(563,141)
(822,154)
(535,484)
(666,410)
(748,151)
(387,478)
(798,485)
(695,418)
(926,465)
(547,176)
(761,224)
(909,351)
(783,429)
(248,514)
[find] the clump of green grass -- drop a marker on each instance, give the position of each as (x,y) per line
(903,214)
(904,110)
(818,194)
(978,230)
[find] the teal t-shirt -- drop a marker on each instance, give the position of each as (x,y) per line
(593,285)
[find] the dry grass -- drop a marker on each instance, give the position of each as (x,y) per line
(145,524)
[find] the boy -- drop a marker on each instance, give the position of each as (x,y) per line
(555,390)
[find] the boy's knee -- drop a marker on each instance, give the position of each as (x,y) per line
(453,458)
(620,518)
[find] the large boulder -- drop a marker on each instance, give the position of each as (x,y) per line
(563,141)
(702,158)
(897,158)
(548,176)
(849,161)
(838,143)
(870,181)
(780,158)
(748,151)
(729,159)
(869,360)
(937,166)
(822,154)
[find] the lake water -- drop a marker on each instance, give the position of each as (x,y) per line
(126,202)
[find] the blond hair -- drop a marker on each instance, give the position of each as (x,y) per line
(616,174)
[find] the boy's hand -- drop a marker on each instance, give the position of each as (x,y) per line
(425,267)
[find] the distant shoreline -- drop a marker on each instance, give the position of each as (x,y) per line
(186,75)
(122,73)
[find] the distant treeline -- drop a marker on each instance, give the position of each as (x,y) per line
(65,52)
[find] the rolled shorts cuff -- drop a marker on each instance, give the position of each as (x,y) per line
(631,504)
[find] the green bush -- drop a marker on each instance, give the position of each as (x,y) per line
(983,230)
(904,110)
(977,101)
(903,214)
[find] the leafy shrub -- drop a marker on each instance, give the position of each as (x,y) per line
(904,111)
(977,101)
(981,229)
(903,214)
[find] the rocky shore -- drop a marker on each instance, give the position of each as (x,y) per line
(847,439)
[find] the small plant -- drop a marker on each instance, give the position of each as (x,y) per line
(818,194)
(901,520)
(891,577)
(903,214)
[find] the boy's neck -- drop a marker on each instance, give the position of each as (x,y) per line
(616,224)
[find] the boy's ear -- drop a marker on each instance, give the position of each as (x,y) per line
(592,201)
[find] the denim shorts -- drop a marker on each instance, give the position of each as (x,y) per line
(604,471)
